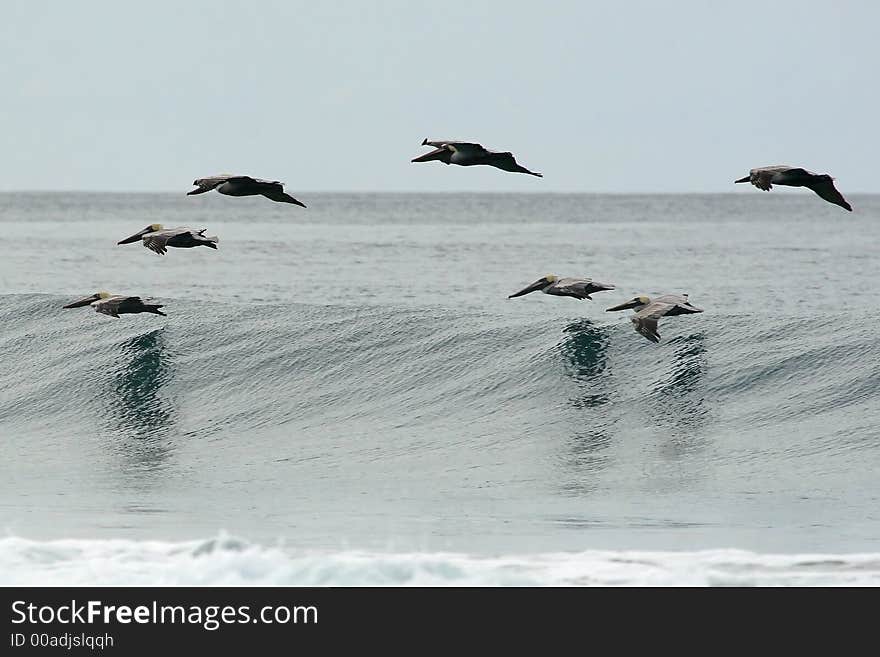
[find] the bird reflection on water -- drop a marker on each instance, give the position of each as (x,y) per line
(585,351)
(689,367)
(138,408)
(585,354)
(677,406)
(679,399)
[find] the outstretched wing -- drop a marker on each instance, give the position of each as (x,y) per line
(673,304)
(825,188)
(579,288)
(257,182)
(275,192)
(657,308)
(646,326)
(468,148)
(596,286)
(111,305)
(763,177)
(130,305)
(158,242)
(507,162)
(645,321)
(569,287)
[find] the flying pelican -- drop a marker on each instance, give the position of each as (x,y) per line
(117,304)
(579,288)
(823,184)
(156,238)
(467,154)
(649,311)
(244,186)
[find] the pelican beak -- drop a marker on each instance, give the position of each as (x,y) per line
(437,154)
(534,287)
(632,303)
(746,179)
(136,236)
(82,302)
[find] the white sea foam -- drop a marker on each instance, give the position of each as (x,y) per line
(229,561)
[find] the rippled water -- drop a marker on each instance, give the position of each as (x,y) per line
(353,377)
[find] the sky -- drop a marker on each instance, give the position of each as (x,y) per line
(620,97)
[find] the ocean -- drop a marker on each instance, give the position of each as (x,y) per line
(345,394)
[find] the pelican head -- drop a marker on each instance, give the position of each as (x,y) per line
(97,296)
(443,154)
(635,303)
(539,284)
(152,228)
(203,185)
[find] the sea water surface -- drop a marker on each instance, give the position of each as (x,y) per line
(344,394)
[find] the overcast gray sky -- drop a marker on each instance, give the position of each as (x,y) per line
(629,96)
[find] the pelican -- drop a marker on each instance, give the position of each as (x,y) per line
(648,311)
(244,186)
(467,154)
(117,304)
(823,184)
(579,288)
(157,239)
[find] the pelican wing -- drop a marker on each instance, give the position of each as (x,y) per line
(156,244)
(209,183)
(670,299)
(596,286)
(678,304)
(158,240)
(825,188)
(112,305)
(658,308)
(580,288)
(469,149)
(645,321)
(273,183)
(507,162)
(441,143)
(256,182)
(275,192)
(570,287)
(646,326)
(466,147)
(566,285)
(762,178)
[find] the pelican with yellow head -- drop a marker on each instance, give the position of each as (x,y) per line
(648,311)
(579,288)
(157,238)
(115,305)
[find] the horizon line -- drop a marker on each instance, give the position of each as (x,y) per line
(414,192)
